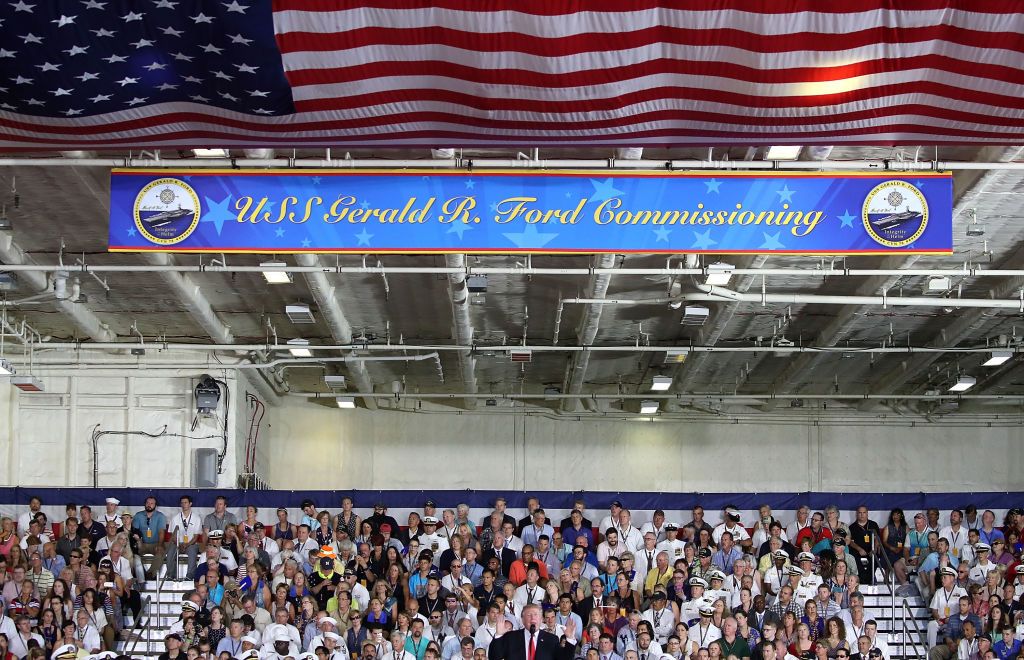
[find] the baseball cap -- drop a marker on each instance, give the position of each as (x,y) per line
(617,503)
(386,527)
(704,552)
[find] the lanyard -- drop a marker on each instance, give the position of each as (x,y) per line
(703,633)
(186,523)
(656,615)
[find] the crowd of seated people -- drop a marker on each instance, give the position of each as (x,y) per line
(336,586)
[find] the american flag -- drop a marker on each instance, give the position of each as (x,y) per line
(84,74)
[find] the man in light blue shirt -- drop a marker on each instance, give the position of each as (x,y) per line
(531,535)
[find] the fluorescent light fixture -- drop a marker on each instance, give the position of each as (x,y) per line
(335,382)
(963,383)
(345,401)
(210,153)
(719,273)
(272,273)
(661,383)
(299,313)
(694,315)
(27,383)
(676,355)
(6,368)
(648,407)
(299,348)
(788,152)
(997,358)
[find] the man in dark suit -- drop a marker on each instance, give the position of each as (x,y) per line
(532,643)
(505,554)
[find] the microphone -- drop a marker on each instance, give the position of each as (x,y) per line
(533,629)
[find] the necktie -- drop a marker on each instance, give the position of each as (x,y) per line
(533,648)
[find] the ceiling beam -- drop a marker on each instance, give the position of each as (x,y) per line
(191,295)
(835,331)
(576,371)
(334,315)
(79,313)
(462,324)
(687,372)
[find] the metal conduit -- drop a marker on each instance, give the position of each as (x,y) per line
(660,166)
(524,270)
(505,348)
(682,397)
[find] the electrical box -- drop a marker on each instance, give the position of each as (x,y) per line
(204,468)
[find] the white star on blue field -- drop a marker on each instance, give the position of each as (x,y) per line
(364,237)
(459,228)
(218,213)
(530,237)
(662,234)
(785,195)
(604,190)
(703,240)
(771,241)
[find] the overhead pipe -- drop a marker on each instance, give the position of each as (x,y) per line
(80,314)
(76,347)
(458,295)
(683,397)
(191,294)
(597,288)
(512,163)
(341,330)
(816,273)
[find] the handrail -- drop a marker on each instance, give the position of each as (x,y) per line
(880,551)
(147,614)
(143,614)
(908,614)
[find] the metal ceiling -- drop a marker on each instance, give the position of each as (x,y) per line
(61,214)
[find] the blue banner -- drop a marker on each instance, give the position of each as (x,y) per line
(280,211)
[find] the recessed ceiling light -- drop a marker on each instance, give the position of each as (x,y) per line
(661,383)
(997,358)
(963,383)
(274,274)
(783,153)
(719,274)
(648,407)
(210,153)
(299,348)
(345,401)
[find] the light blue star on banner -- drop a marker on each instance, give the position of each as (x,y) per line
(530,237)
(131,231)
(364,238)
(662,234)
(459,228)
(494,207)
(785,195)
(364,205)
(218,213)
(306,242)
(713,185)
(604,190)
(279,232)
(470,184)
(315,180)
(846,219)
(771,241)
(703,241)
